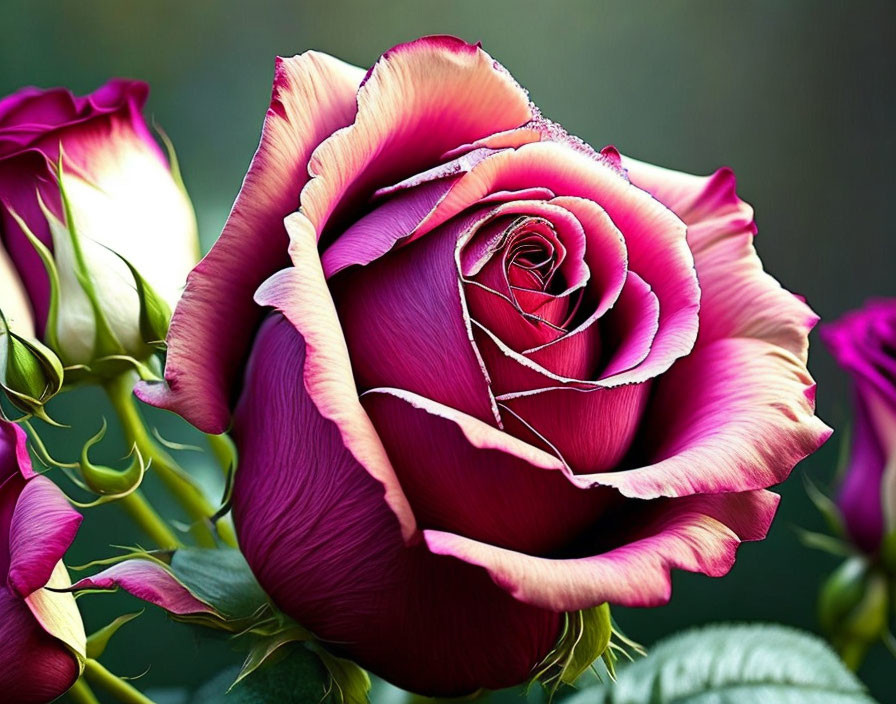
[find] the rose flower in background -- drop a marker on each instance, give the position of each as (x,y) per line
(85,192)
(490,377)
(42,641)
(854,602)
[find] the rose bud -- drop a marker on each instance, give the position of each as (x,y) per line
(864,343)
(30,373)
(853,608)
(498,376)
(93,219)
(42,640)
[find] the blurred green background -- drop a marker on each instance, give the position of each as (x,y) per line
(797,97)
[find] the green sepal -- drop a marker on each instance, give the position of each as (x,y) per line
(98,640)
(826,507)
(46,258)
(585,637)
(825,543)
(105,341)
(31,375)
(267,646)
(888,554)
(111,484)
(351,683)
(155,313)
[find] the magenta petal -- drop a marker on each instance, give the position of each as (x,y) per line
(465,476)
(591,430)
(300,293)
(654,235)
(696,533)
(860,496)
(734,415)
(37,667)
(323,543)
(313,96)
(631,326)
(498,313)
(149,581)
(378,232)
(738,298)
(406,326)
(42,529)
(418,101)
(14,457)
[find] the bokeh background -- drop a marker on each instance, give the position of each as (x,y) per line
(798,97)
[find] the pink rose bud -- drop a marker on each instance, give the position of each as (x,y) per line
(85,191)
(42,640)
(864,343)
(484,375)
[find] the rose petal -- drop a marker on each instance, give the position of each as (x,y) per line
(467,477)
(57,613)
(591,430)
(46,668)
(14,299)
(406,325)
(419,100)
(630,327)
(734,415)
(313,95)
(300,293)
(859,498)
(14,457)
(696,533)
(654,236)
(42,529)
(149,581)
(738,298)
(329,551)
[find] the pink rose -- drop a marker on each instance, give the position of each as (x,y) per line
(864,343)
(123,201)
(42,641)
(505,376)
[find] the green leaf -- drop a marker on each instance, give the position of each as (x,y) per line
(298,678)
(221,578)
(733,664)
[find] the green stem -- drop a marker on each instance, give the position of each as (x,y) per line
(80,693)
(224,451)
(178,482)
(143,514)
(114,685)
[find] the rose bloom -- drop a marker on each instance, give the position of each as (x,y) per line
(864,343)
(42,641)
(123,201)
(479,374)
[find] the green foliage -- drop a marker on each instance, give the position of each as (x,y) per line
(733,664)
(298,677)
(222,579)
